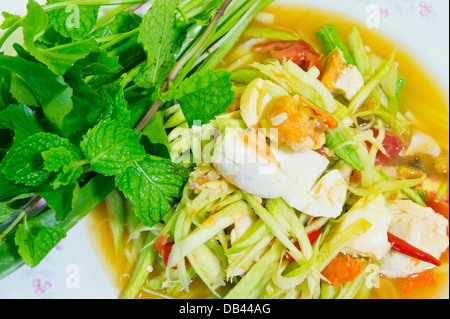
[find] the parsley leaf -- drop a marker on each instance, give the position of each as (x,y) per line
(36,240)
(152,185)
(111,147)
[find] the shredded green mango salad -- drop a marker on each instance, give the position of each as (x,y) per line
(287,178)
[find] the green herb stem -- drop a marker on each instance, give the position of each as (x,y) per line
(60,5)
(110,15)
(119,38)
(182,62)
(20,217)
(10,31)
(123,47)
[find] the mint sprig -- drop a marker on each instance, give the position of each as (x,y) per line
(152,185)
(27,164)
(110,147)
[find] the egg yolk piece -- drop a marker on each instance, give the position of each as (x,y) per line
(298,126)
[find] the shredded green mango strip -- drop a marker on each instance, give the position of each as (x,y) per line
(347,153)
(211,227)
(351,289)
(141,271)
(329,36)
(207,265)
(328,291)
(281,210)
(245,287)
(295,277)
(268,34)
(337,240)
(386,186)
(358,51)
(251,253)
(364,93)
(274,227)
(257,231)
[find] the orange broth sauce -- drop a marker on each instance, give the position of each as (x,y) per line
(423,96)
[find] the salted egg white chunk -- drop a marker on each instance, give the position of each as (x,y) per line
(245,160)
(328,196)
(423,144)
(419,226)
(374,242)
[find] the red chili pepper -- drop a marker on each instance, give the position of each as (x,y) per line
(403,247)
(440,207)
(312,236)
(164,247)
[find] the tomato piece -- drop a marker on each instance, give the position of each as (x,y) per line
(393,147)
(300,52)
(432,186)
(416,281)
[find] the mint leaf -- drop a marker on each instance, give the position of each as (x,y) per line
(152,185)
(73,21)
(204,95)
(26,164)
(65,163)
(111,147)
(23,122)
(157,33)
(5,94)
(36,240)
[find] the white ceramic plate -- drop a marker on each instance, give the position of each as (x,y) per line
(73,269)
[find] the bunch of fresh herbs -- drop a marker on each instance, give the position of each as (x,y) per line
(78,106)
